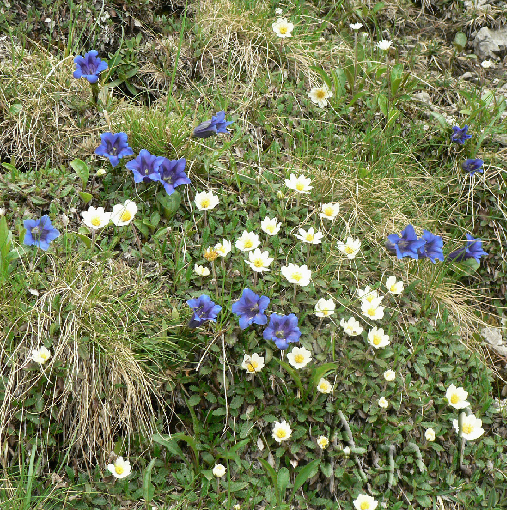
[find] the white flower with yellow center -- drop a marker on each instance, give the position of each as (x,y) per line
(457,397)
(201,270)
(323,442)
(383,403)
(300,184)
(384,45)
(324,386)
(430,435)
(300,275)
(329,211)
(281,431)
(96,218)
(324,307)
(372,309)
(393,286)
(123,214)
(365,502)
(270,226)
(350,248)
(352,327)
(259,260)
(120,468)
(219,470)
(206,200)
(210,254)
(253,363)
(224,248)
(310,237)
(472,427)
(282,27)
(41,355)
(377,338)
(389,375)
(299,357)
(248,241)
(368,294)
(319,95)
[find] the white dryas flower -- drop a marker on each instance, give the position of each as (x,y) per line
(486,64)
(300,275)
(323,442)
(281,431)
(311,236)
(329,211)
(372,309)
(96,218)
(472,427)
(319,95)
(120,468)
(393,286)
(324,307)
(346,451)
(300,184)
(224,248)
(259,260)
(365,502)
(384,45)
(355,26)
(41,355)
(299,357)
(389,375)
(270,226)
(206,200)
(383,402)
(377,338)
(430,435)
(457,397)
(282,27)
(248,241)
(324,386)
(253,363)
(123,214)
(278,11)
(201,270)
(352,327)
(219,470)
(350,248)
(368,294)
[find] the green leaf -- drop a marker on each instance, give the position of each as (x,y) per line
(86,240)
(85,197)
(325,77)
(292,372)
(304,474)
(194,400)
(170,203)
(382,104)
(148,488)
(460,41)
(82,171)
(171,445)
(272,474)
(282,481)
(322,371)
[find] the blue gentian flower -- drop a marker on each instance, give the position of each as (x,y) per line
(472,166)
(114,146)
(283,330)
(432,248)
(172,174)
(89,66)
(472,250)
(145,167)
(250,309)
(40,232)
(217,124)
(460,135)
(406,245)
(204,310)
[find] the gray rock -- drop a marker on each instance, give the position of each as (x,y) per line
(488,43)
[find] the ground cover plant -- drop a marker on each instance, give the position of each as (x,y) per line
(252,255)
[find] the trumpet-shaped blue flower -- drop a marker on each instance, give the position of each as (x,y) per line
(89,66)
(172,174)
(472,250)
(283,330)
(204,310)
(114,146)
(250,309)
(460,135)
(40,232)
(406,245)
(473,166)
(217,124)
(145,167)
(432,248)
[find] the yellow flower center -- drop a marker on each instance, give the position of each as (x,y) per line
(328,211)
(299,358)
(258,263)
(281,433)
(297,276)
(248,243)
(43,355)
(252,366)
(283,29)
(210,255)
(309,237)
(393,288)
(371,312)
(349,249)
(323,443)
(95,221)
(324,386)
(119,470)
(365,505)
(370,298)
(376,339)
(467,428)
(270,228)
(126,216)
(320,94)
(300,186)
(205,202)
(454,398)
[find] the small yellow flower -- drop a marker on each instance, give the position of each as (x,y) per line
(365,502)
(253,363)
(319,95)
(383,403)
(210,254)
(324,386)
(323,442)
